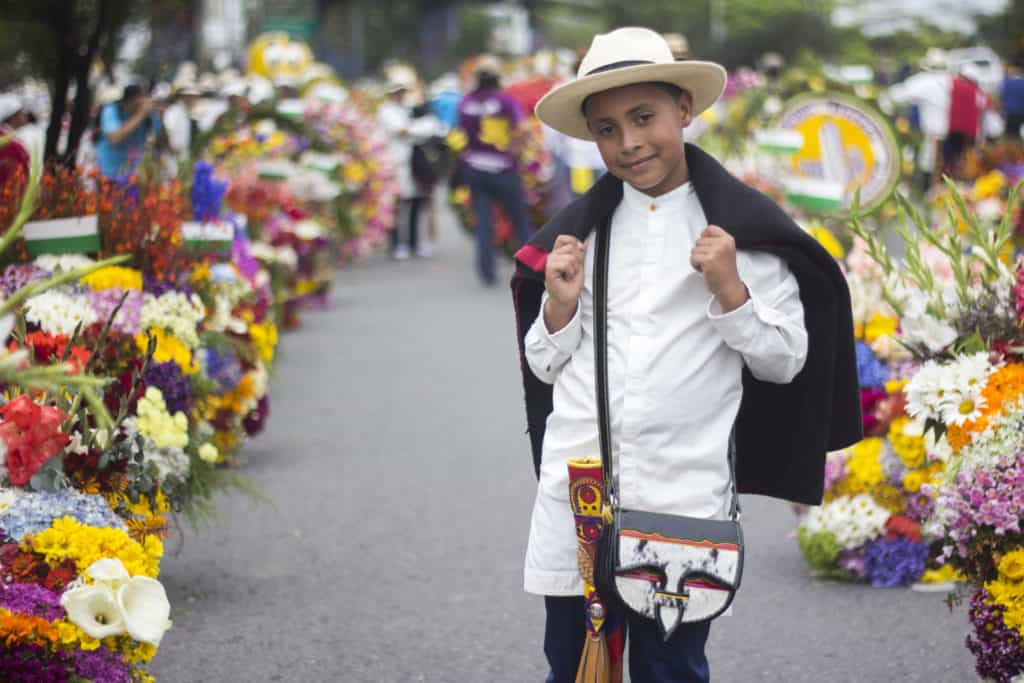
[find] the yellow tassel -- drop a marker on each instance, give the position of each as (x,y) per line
(595,664)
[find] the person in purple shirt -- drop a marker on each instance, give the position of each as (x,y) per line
(491,120)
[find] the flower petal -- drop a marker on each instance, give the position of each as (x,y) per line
(145,609)
(94,609)
(108,570)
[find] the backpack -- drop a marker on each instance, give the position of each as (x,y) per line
(431,161)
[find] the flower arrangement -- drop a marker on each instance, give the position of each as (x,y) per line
(878,485)
(962,324)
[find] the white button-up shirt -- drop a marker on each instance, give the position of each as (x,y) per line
(675,366)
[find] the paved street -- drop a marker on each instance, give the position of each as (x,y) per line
(402,484)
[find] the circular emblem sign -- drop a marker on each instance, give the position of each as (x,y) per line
(846,145)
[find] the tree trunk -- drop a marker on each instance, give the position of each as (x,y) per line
(83,96)
(66,48)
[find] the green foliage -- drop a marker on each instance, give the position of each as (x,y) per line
(1005,31)
(735,32)
(474,37)
(821,551)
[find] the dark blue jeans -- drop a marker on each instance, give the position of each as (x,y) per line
(651,660)
(484,188)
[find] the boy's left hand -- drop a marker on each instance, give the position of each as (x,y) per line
(714,255)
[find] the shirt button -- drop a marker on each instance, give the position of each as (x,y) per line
(654,207)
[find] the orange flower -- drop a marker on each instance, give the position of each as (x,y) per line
(24,628)
(1005,385)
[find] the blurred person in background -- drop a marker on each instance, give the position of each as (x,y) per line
(929,92)
(406,130)
(19,120)
(491,121)
(14,158)
(182,126)
(967,105)
(1012,96)
(124,128)
(444,100)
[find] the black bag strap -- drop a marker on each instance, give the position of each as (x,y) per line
(601,250)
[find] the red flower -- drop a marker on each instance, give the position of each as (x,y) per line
(31,433)
(47,347)
(901,526)
(60,576)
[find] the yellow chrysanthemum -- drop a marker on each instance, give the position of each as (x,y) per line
(890,497)
(880,326)
(909,448)
(168,348)
(895,386)
(226,441)
(864,469)
(200,273)
(827,240)
(355,173)
(988,185)
(264,337)
(943,574)
(1009,594)
(1011,565)
(113,276)
(67,539)
(912,480)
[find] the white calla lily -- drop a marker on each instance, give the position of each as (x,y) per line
(145,609)
(94,609)
(108,570)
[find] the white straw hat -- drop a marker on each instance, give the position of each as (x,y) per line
(627,56)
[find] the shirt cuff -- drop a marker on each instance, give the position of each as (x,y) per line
(740,325)
(567,339)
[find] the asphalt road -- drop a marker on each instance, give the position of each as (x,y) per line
(402,485)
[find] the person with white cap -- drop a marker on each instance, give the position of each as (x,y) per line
(124,127)
(180,119)
(404,132)
(722,317)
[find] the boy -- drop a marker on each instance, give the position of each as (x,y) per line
(700,335)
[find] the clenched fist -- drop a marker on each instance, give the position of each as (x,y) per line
(563,278)
(714,255)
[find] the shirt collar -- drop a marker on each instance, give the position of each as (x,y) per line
(673,201)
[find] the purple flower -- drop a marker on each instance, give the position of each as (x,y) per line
(27,663)
(998,655)
(223,368)
(870,371)
(101,666)
(256,420)
(17,275)
(207,193)
(157,287)
(894,563)
(172,383)
(130,314)
(853,563)
(30,598)
(835,470)
(919,507)
(989,501)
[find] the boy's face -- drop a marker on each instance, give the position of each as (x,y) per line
(638,129)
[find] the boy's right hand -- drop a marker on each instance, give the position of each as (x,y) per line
(563,278)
